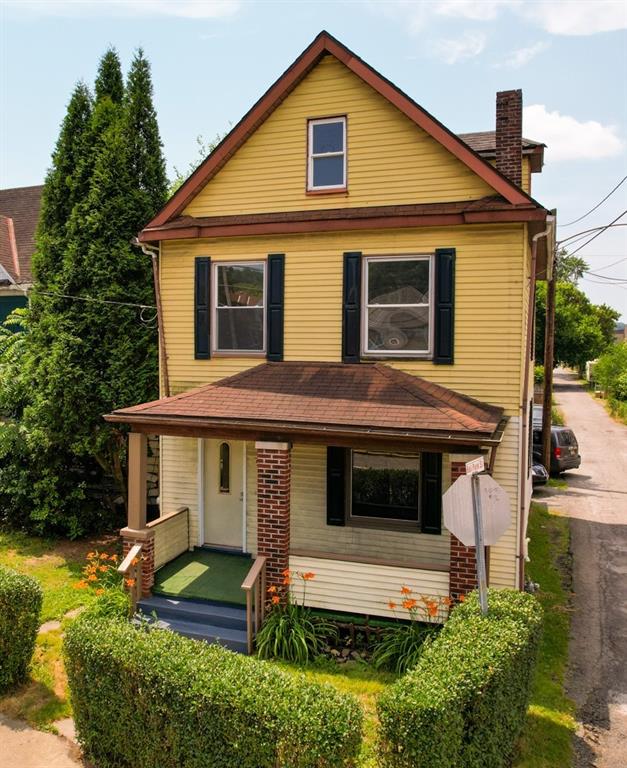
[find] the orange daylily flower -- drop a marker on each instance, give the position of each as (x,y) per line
(103,568)
(409,604)
(286,572)
(134,561)
(309,575)
(91,555)
(113,558)
(276,600)
(287,580)
(129,582)
(447,602)
(80,584)
(405,591)
(104,556)
(271,588)
(100,591)
(391,605)
(92,577)
(462,598)
(432,608)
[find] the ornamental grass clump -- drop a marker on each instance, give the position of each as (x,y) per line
(159,700)
(291,631)
(20,609)
(400,646)
(464,702)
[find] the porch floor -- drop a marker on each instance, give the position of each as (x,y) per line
(204,574)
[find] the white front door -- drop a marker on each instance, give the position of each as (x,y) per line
(224,493)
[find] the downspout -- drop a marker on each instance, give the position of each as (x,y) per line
(524,472)
(154,253)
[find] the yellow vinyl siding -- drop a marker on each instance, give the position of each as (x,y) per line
(171,536)
(390,159)
(179,479)
(361,587)
(489,289)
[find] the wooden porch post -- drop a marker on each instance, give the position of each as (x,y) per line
(137,479)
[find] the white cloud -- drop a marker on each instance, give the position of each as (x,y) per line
(469,45)
(191,9)
(522,56)
(577,17)
(558,17)
(567,138)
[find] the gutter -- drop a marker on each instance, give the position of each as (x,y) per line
(154,252)
(550,228)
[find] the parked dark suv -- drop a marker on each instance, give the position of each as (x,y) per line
(564,449)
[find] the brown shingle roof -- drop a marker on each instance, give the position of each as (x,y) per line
(21,205)
(374,398)
(484,144)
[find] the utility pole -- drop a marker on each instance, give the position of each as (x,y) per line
(549,345)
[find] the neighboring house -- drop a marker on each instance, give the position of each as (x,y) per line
(620,332)
(346,288)
(19,214)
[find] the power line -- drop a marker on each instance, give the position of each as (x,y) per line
(609,266)
(609,194)
(90,298)
(579,235)
(609,279)
(594,237)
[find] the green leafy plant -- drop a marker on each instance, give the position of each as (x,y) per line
(464,703)
(291,631)
(20,609)
(401,646)
(159,700)
(100,575)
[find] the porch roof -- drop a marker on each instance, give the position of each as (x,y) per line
(323,400)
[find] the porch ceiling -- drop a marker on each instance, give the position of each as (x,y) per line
(322,402)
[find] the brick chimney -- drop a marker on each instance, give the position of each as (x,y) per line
(509,134)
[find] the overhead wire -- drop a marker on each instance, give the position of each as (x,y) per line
(585,215)
(600,232)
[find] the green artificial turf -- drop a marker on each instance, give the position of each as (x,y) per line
(204,575)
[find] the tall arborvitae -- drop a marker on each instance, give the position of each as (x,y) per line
(60,463)
(145,156)
(62,189)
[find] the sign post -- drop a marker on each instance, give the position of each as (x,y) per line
(480,546)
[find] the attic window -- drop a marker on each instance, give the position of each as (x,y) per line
(327,154)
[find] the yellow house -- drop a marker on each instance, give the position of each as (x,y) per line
(345,289)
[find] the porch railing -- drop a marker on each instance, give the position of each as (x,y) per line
(255,587)
(131,569)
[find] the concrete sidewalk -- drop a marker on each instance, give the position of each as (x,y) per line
(23,747)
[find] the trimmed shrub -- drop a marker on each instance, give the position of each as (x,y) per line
(20,609)
(464,704)
(158,700)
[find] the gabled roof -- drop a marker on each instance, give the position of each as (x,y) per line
(323,45)
(372,400)
(19,215)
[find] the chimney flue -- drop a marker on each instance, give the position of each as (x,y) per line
(509,134)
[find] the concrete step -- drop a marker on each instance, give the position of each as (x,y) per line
(207,621)
(194,611)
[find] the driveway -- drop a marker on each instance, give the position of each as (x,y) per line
(596,503)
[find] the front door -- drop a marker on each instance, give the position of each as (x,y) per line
(224,493)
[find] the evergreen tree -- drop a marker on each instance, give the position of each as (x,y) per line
(61,465)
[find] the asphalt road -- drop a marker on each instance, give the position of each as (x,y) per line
(596,503)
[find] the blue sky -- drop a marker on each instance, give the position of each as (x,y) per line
(212,59)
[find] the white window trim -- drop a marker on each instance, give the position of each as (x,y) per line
(214,307)
(420,354)
(311,156)
(381,521)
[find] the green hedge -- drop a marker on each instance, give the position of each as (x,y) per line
(464,704)
(158,700)
(20,609)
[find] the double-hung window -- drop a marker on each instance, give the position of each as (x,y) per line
(239,307)
(384,487)
(327,154)
(397,306)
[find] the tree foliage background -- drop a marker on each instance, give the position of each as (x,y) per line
(88,347)
(583,330)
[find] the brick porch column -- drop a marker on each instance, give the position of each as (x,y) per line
(147,539)
(463,560)
(273,508)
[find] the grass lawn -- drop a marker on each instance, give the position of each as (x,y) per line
(548,735)
(364,682)
(57,565)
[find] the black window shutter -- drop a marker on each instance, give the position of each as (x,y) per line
(444,314)
(336,485)
(431,493)
(276,302)
(202,308)
(351,308)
